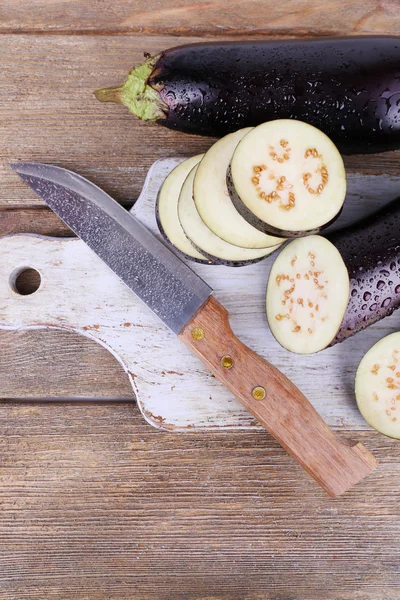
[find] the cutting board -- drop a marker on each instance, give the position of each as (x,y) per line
(173,389)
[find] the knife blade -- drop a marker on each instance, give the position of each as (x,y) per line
(184,302)
(121,241)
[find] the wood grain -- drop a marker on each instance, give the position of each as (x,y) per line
(58,364)
(48,114)
(41,221)
(205,18)
(97,505)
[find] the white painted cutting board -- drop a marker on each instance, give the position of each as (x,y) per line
(173,388)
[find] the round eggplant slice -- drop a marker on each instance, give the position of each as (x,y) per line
(307,294)
(205,240)
(287,178)
(214,203)
(167,210)
(378,386)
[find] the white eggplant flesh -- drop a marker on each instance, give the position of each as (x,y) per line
(377,386)
(287,178)
(209,244)
(307,294)
(214,203)
(167,210)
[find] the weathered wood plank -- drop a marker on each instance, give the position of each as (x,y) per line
(97,505)
(48,113)
(58,364)
(188,17)
(41,221)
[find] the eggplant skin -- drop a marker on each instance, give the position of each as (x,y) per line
(347,87)
(231,263)
(371,252)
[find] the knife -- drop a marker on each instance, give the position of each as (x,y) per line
(184,302)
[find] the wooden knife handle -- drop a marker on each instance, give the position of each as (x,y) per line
(275,402)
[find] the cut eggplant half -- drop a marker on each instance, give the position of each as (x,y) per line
(209,244)
(213,201)
(307,295)
(167,211)
(287,179)
(370,251)
(378,386)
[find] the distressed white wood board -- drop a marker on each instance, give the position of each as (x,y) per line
(173,389)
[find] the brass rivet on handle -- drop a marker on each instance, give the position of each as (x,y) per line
(198,334)
(227,362)
(258,393)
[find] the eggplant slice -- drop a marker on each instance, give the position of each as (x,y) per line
(167,211)
(287,178)
(214,203)
(378,386)
(307,295)
(209,244)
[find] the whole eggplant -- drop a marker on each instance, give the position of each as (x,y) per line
(370,250)
(347,87)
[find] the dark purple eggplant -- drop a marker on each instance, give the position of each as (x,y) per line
(347,87)
(371,252)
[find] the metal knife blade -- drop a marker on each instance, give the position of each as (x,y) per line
(157,276)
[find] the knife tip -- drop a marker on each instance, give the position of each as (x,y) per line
(21,167)
(26,168)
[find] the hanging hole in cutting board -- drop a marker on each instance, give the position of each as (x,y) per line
(25,281)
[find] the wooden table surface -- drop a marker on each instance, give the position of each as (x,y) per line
(95,504)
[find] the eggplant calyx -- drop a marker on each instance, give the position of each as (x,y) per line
(136,94)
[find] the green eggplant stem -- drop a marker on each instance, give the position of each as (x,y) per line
(136,94)
(112,94)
